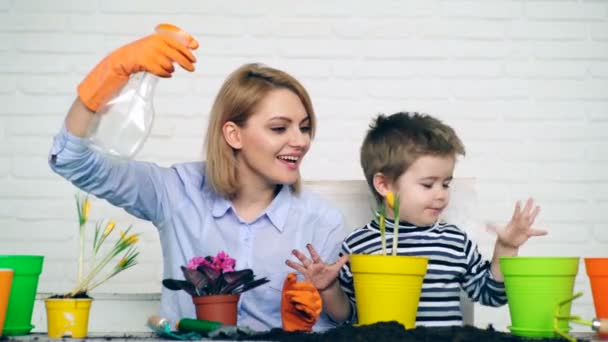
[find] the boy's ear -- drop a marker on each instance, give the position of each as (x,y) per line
(232,134)
(381,184)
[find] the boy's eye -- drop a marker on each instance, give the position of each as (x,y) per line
(428,186)
(446,185)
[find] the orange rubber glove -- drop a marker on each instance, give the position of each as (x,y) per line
(154,53)
(301,304)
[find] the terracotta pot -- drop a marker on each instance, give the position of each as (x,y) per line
(218,308)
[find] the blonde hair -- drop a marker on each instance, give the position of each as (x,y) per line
(236,101)
(394,142)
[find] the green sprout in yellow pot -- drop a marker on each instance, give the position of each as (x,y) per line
(122,252)
(393,203)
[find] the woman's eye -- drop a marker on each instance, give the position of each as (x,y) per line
(428,186)
(446,185)
(305,129)
(278,129)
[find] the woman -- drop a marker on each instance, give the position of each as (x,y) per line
(245,200)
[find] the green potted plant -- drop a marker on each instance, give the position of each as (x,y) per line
(382,280)
(68,314)
(215,286)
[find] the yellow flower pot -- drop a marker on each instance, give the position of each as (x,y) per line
(67,317)
(387,288)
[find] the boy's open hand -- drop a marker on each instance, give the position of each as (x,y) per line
(519,229)
(315,270)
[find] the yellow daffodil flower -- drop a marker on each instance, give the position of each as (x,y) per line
(390,199)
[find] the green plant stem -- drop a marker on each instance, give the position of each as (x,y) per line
(81,254)
(396,226)
(383,228)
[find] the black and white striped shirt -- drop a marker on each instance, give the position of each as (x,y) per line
(454,264)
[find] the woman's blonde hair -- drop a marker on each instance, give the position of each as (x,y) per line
(236,101)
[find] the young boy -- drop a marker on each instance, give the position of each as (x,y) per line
(413,155)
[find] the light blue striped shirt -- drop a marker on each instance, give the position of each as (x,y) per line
(193,220)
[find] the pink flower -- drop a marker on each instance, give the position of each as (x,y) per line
(196,261)
(221,262)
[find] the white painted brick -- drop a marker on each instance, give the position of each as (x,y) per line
(303,69)
(600,233)
(4,167)
(466,29)
(230,47)
(39,104)
(120,23)
(546,70)
(565,10)
(564,50)
(545,192)
(316,48)
(7,42)
(599,69)
(569,89)
(11,62)
(54,6)
(236,8)
(597,110)
(484,9)
(483,89)
(25,168)
(550,30)
(548,171)
(394,8)
(35,188)
(407,89)
(139,6)
(8,84)
(542,151)
(290,27)
(599,31)
(46,230)
(365,29)
(336,89)
(58,43)
(47,84)
(599,191)
(472,49)
(405,48)
(400,69)
(26,146)
(32,22)
(597,151)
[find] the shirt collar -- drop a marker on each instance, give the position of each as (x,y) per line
(276,212)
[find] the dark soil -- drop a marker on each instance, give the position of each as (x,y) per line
(78,295)
(393,331)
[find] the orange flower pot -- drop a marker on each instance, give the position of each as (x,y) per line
(219,308)
(597,270)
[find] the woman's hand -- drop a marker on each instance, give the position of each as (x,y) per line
(315,270)
(155,53)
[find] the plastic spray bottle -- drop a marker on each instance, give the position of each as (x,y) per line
(122,126)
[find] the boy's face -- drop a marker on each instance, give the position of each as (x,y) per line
(424,189)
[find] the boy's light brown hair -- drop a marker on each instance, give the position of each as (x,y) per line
(236,101)
(393,143)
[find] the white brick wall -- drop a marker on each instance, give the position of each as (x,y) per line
(525,83)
